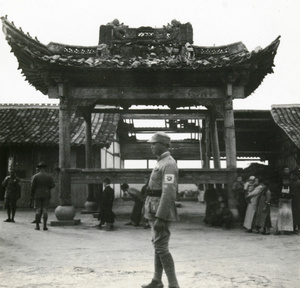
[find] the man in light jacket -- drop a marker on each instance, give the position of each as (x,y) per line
(160,209)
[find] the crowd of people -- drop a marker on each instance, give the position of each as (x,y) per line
(254,200)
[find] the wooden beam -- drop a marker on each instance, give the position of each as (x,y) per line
(121,93)
(161,92)
(186,176)
(171,130)
(179,149)
(156,113)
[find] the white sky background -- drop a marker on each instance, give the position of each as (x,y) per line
(215,22)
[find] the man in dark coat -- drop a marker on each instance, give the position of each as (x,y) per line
(136,213)
(211,199)
(12,193)
(106,215)
(41,185)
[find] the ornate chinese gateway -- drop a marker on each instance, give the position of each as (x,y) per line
(143,66)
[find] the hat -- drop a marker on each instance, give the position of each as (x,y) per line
(161,137)
(42,164)
(252,178)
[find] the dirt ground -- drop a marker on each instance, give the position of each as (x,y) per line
(84,256)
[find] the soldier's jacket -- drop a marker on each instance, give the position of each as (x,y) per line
(41,185)
(12,187)
(163,177)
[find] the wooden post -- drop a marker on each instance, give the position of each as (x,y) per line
(66,212)
(90,205)
(215,139)
(230,148)
(207,145)
(64,152)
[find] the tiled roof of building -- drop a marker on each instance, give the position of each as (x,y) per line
(213,63)
(39,125)
(287,117)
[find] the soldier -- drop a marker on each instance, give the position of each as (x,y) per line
(41,186)
(160,209)
(12,193)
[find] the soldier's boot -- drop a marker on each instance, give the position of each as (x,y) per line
(45,218)
(37,221)
(153,284)
(158,269)
(169,267)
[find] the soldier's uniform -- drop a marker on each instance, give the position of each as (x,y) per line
(160,204)
(162,188)
(41,185)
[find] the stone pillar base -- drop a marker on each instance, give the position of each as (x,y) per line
(91,206)
(65,213)
(235,214)
(65,222)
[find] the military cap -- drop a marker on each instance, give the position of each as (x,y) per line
(42,164)
(161,137)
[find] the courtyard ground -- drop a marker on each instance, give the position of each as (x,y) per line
(84,256)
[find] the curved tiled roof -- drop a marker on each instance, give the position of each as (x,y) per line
(287,117)
(211,63)
(39,125)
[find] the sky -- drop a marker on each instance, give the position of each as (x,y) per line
(215,22)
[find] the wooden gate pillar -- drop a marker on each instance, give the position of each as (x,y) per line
(66,211)
(90,204)
(215,139)
(206,157)
(230,148)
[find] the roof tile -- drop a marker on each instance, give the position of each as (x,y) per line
(24,125)
(287,117)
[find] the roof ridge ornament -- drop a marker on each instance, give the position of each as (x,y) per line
(116,33)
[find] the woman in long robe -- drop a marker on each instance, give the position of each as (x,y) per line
(252,205)
(285,215)
(262,215)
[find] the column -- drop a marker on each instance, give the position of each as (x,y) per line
(206,159)
(90,205)
(65,211)
(230,148)
(215,139)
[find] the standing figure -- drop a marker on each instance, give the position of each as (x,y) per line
(41,185)
(160,209)
(249,185)
(285,216)
(263,211)
(139,200)
(252,197)
(295,190)
(239,196)
(211,200)
(106,215)
(12,193)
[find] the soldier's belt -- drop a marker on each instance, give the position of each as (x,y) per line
(154,193)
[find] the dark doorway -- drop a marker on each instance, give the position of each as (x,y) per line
(3,169)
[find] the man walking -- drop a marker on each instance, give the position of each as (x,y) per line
(160,209)
(41,186)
